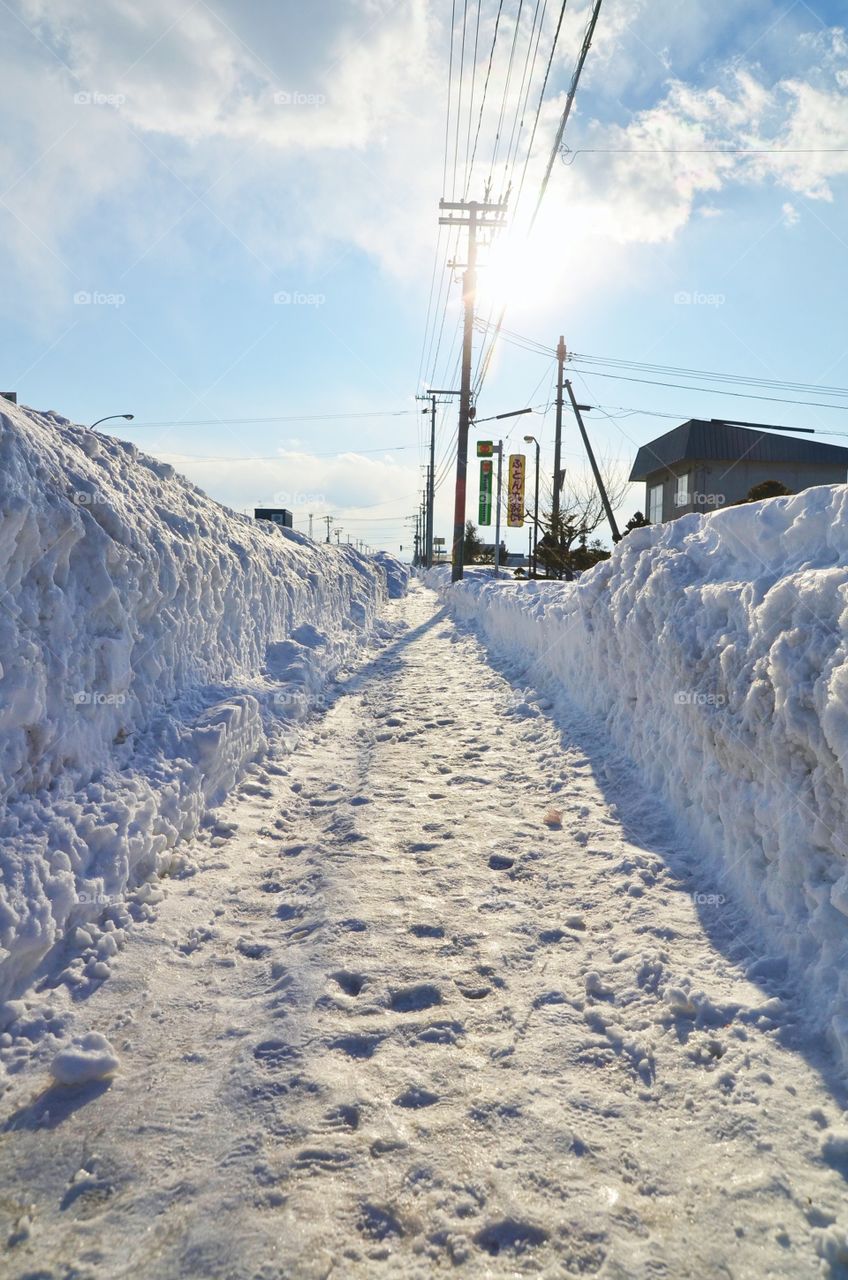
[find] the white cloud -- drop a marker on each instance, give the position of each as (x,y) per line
(350,484)
(351,159)
(645,196)
(791,216)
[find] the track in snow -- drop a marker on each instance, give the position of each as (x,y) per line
(403,1020)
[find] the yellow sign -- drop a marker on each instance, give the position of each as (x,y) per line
(515,491)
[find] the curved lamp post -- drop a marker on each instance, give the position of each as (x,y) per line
(127,416)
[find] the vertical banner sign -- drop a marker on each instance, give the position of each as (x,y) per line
(485,513)
(515,491)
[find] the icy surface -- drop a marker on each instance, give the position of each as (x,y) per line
(715,649)
(141,627)
(402,1024)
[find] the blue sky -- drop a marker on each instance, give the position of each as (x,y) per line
(184,165)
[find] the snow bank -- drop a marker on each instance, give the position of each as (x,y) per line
(715,648)
(139,631)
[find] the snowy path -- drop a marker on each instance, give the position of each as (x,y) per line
(398,1025)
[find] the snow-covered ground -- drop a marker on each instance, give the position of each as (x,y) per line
(145,634)
(716,651)
(448,991)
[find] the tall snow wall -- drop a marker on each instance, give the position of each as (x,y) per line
(143,627)
(716,650)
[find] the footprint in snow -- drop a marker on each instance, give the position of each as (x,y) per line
(596,988)
(414,999)
(415,1097)
(510,1236)
(252,950)
(344,1116)
(358,1046)
(427,930)
(315,1160)
(350,983)
(275,1054)
(473,993)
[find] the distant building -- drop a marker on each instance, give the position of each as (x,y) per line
(277,515)
(701,466)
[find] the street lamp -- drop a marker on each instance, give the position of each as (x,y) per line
(128,417)
(533,440)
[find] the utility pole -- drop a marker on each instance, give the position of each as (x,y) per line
(338,534)
(310,526)
(499,451)
(476,216)
(431,487)
(555,539)
(616,536)
(415,558)
(429,532)
(329,520)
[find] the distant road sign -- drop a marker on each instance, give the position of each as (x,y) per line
(515,491)
(439,542)
(485,448)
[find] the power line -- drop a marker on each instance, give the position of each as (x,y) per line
(473,87)
(644,367)
(702,151)
(281,457)
(459,95)
(569,103)
(718,391)
(450,95)
(526,83)
(507,82)
(575,80)
(483,100)
(537,348)
(293,417)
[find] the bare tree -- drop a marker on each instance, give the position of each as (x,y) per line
(581,513)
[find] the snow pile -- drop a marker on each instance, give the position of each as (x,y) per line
(397,574)
(715,648)
(88,1057)
(140,634)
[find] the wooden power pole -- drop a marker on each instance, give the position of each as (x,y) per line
(555,539)
(476,216)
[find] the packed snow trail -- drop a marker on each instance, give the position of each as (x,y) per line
(438,998)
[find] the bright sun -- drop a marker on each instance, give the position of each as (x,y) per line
(522,273)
